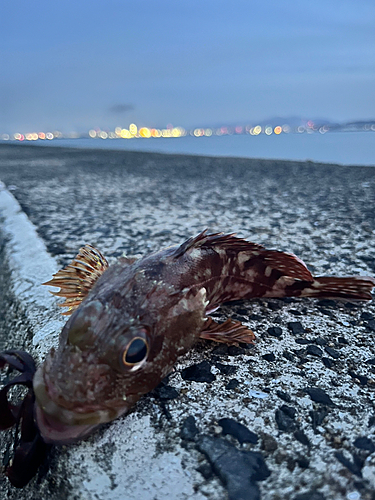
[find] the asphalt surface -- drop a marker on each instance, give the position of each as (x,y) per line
(305,390)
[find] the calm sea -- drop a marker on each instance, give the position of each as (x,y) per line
(347,148)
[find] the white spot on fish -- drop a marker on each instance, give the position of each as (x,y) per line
(268,271)
(243,257)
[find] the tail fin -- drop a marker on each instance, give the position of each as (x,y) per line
(354,287)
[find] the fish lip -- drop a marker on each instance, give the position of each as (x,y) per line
(54,432)
(59,425)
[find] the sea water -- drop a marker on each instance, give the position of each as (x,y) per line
(347,148)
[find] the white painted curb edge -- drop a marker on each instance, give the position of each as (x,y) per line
(30,265)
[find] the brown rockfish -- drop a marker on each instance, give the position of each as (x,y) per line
(130,321)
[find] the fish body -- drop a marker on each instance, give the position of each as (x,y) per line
(137,317)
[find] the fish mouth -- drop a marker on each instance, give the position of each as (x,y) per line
(59,425)
(55,432)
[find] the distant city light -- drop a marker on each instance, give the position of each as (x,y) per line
(268,130)
(133,129)
(145,132)
(135,132)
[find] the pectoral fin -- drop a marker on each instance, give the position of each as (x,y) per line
(76,280)
(228,332)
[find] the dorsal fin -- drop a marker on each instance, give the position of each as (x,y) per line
(286,263)
(218,240)
(76,279)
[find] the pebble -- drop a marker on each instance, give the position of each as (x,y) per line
(328,362)
(301,437)
(319,396)
(326,312)
(284,422)
(189,430)
(289,410)
(289,356)
(238,431)
(362,378)
(269,356)
(238,470)
(269,443)
(302,341)
(232,384)
(296,327)
(200,372)
(303,462)
(364,443)
(332,352)
(284,396)
(166,392)
(342,340)
(321,341)
(370,361)
(275,331)
(370,325)
(314,350)
(354,467)
(226,369)
(233,350)
(317,417)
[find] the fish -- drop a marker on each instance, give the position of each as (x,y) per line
(130,321)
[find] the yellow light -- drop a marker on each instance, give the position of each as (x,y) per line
(29,137)
(34,136)
(133,129)
(257,130)
(145,132)
(166,132)
(278,130)
(92,134)
(176,132)
(125,134)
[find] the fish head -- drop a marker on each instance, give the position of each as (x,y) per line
(108,357)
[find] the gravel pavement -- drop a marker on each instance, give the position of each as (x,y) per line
(292,417)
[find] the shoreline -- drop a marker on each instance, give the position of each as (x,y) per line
(349,149)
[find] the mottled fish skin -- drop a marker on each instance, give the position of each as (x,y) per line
(157,305)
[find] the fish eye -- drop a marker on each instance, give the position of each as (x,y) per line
(135,352)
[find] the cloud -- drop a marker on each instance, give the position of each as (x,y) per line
(121,108)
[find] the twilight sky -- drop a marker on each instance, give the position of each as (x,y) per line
(80,64)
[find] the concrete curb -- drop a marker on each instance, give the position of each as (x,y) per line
(30,265)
